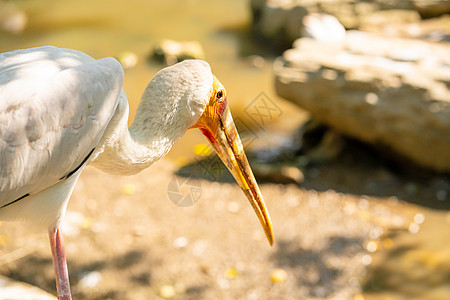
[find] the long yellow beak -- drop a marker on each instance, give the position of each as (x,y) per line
(217,125)
(229,148)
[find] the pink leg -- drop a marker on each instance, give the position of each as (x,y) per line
(59,263)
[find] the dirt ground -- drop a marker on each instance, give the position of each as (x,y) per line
(126,240)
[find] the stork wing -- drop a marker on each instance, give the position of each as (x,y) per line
(55,105)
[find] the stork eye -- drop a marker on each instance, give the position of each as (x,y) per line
(219,95)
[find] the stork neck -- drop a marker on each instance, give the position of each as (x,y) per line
(131,150)
(172,102)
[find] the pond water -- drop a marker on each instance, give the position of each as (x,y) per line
(108,27)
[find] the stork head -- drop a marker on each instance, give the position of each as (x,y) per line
(187,95)
(217,124)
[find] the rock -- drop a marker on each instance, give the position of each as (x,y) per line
(389,92)
(127,59)
(322,27)
(16,290)
(278,173)
(281,21)
(167,291)
(435,29)
(277,22)
(278,275)
(89,280)
(255,61)
(12,19)
(432,8)
(330,147)
(171,52)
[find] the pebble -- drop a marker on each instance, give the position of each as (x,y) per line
(167,291)
(278,275)
(376,232)
(256,61)
(350,208)
(127,59)
(199,248)
(254,295)
(171,52)
(397,222)
(363,204)
(371,98)
(98,227)
(413,228)
(419,218)
(284,174)
(89,280)
(323,27)
(223,283)
(233,207)
(72,223)
(180,242)
(138,230)
(366,259)
(12,20)
(293,173)
(372,246)
(293,201)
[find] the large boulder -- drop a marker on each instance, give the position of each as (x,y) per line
(432,8)
(282,21)
(390,92)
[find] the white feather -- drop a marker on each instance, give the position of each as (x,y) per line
(57,105)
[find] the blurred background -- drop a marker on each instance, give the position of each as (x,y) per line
(343,107)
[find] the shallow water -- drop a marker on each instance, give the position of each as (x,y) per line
(106,28)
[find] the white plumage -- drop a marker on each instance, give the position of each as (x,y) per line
(57,105)
(60,110)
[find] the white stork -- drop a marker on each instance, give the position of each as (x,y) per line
(60,110)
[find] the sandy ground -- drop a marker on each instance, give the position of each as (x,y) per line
(126,240)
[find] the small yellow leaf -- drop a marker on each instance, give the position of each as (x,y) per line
(3,239)
(202,150)
(231,273)
(86,223)
(128,189)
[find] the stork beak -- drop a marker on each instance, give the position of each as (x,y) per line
(228,146)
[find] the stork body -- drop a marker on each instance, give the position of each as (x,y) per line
(60,110)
